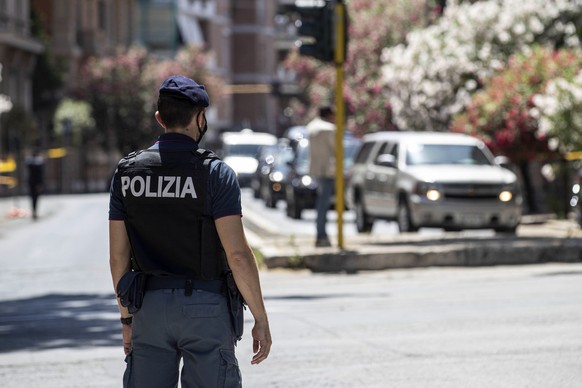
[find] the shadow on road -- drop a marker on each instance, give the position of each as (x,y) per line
(59,321)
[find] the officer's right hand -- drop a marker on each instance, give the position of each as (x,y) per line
(126,331)
(261,341)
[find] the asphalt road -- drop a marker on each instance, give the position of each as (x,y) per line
(505,326)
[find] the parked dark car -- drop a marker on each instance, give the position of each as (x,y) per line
(300,187)
(264,158)
(296,133)
(268,180)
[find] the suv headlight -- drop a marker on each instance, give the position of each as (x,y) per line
(505,196)
(433,194)
(430,191)
(306,180)
(509,193)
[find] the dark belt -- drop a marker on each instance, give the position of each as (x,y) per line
(162,283)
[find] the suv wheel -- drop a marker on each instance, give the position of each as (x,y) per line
(363,222)
(404,220)
(270,201)
(267,196)
(508,230)
(256,185)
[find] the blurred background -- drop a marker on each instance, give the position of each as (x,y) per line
(80,80)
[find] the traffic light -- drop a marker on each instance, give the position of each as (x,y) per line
(315,28)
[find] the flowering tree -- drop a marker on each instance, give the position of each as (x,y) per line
(432,76)
(559,110)
(373,25)
(113,87)
(190,61)
(122,90)
(502,113)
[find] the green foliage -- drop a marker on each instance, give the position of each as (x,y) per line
(48,73)
(73,118)
(18,124)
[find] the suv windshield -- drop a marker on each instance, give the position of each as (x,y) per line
(241,149)
(418,154)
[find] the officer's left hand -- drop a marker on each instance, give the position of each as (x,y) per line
(126,331)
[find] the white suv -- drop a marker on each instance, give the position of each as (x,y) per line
(430,179)
(240,151)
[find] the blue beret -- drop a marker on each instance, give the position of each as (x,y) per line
(181,87)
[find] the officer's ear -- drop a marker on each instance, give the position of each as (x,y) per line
(201,118)
(159,119)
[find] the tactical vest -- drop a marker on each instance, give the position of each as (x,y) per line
(169,228)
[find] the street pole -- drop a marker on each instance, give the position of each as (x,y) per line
(340,117)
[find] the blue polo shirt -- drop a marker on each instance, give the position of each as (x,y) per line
(224,198)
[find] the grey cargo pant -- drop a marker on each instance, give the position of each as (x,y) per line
(171,326)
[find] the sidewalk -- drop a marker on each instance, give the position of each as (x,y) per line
(16,211)
(538,239)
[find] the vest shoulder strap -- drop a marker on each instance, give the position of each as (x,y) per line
(207,155)
(149,157)
(137,158)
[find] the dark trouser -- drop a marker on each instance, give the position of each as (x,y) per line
(171,326)
(325,188)
(34,194)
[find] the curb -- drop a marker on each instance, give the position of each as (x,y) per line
(551,241)
(458,255)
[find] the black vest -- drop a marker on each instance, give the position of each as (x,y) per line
(169,228)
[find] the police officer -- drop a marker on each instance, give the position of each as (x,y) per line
(175,217)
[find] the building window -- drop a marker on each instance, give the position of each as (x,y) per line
(102,15)
(20,18)
(4,16)
(204,27)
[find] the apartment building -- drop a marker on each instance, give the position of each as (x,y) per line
(248,40)
(18,51)
(78,29)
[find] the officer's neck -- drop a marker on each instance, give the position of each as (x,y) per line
(193,134)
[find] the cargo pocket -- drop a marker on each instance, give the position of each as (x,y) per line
(229,376)
(127,375)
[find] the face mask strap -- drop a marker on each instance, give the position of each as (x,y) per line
(204,128)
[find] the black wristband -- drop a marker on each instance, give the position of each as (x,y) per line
(126,321)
